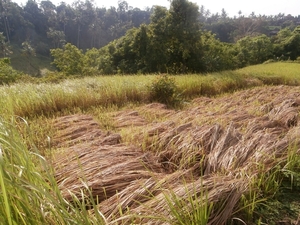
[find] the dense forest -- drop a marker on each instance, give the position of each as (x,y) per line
(82,38)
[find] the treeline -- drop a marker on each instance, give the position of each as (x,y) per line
(47,26)
(184,38)
(232,29)
(175,42)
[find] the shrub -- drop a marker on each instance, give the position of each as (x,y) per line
(7,73)
(53,77)
(164,90)
(68,60)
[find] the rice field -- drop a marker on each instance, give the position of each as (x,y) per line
(96,150)
(30,100)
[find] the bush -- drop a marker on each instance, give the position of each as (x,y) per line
(164,90)
(7,73)
(68,60)
(53,77)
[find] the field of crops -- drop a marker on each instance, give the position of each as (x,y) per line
(102,150)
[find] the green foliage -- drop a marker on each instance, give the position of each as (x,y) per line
(164,90)
(106,60)
(267,186)
(217,56)
(52,77)
(125,56)
(57,37)
(69,60)
(171,43)
(28,50)
(4,46)
(253,50)
(286,44)
(183,37)
(7,73)
(91,62)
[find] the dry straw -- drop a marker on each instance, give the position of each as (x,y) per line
(196,161)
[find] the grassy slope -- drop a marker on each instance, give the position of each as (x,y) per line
(33,65)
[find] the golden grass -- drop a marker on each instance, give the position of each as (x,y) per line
(274,73)
(30,100)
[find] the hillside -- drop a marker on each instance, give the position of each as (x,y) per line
(231,155)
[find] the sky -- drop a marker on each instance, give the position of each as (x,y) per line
(267,7)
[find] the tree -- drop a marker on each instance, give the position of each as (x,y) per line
(33,14)
(57,37)
(69,60)
(62,15)
(292,44)
(91,62)
(184,35)
(240,13)
(158,40)
(287,43)
(217,55)
(4,46)
(223,30)
(224,14)
(140,46)
(12,21)
(245,26)
(49,10)
(254,50)
(7,73)
(28,51)
(170,43)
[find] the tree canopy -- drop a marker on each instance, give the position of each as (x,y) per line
(182,39)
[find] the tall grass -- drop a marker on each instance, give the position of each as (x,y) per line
(29,192)
(274,73)
(29,100)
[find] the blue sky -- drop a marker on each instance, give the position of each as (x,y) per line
(267,7)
